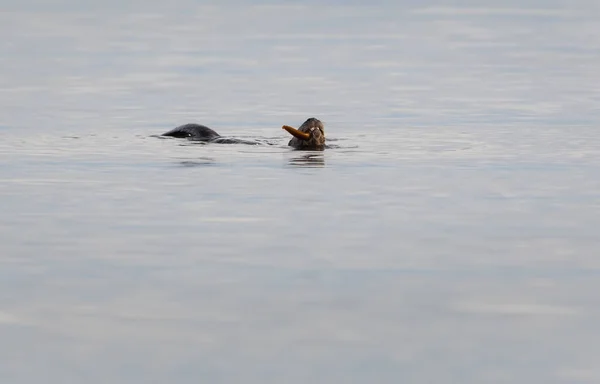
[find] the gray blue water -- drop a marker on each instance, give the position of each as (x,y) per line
(450,235)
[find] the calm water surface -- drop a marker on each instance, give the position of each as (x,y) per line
(450,235)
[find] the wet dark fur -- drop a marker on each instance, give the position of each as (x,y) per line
(193,131)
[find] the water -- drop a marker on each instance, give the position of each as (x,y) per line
(450,234)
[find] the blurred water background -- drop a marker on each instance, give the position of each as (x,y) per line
(450,234)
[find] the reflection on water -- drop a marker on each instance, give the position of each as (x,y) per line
(199,162)
(313,159)
(452,235)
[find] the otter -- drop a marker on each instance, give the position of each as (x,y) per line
(310,135)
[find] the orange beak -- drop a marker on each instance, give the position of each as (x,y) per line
(296,133)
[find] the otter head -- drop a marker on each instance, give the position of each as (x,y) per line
(310,135)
